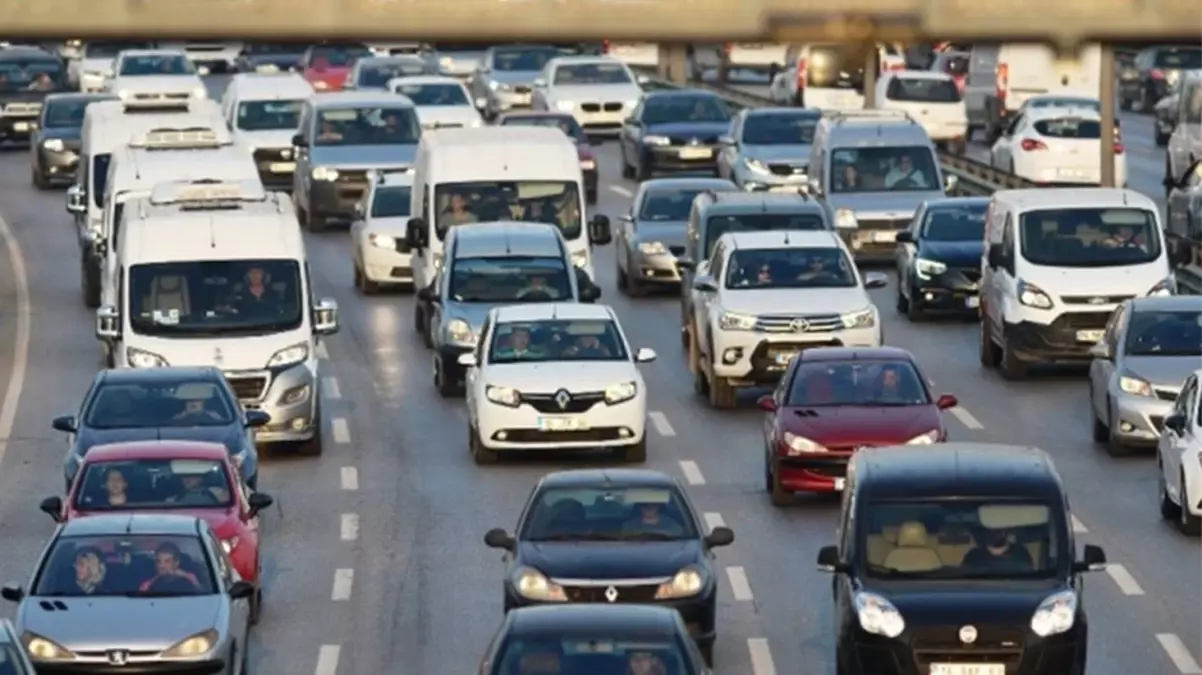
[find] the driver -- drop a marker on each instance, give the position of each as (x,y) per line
(646,663)
(196,493)
(519,346)
(999,554)
(649,517)
(589,347)
(536,289)
(329,133)
(457,213)
(815,269)
(41,83)
(197,409)
(252,297)
(905,174)
(168,576)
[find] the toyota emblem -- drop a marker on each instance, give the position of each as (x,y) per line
(968,634)
(562,399)
(611,594)
(118,657)
(799,325)
(694,141)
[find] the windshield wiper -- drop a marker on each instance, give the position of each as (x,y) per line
(159,594)
(649,536)
(579,536)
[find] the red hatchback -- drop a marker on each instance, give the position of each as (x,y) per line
(834,401)
(326,66)
(180,477)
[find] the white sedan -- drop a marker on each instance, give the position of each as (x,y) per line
(441,101)
(1179,458)
(155,76)
(599,91)
(1057,146)
(379,251)
(555,376)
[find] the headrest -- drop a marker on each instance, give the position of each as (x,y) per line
(912,534)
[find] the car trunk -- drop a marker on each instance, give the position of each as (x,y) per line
(1076,145)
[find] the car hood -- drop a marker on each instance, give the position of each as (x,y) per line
(790,154)
(780,300)
(689,128)
(960,603)
(230,436)
(954,253)
(526,77)
(464,115)
(364,156)
(580,376)
(667,232)
(609,560)
(595,92)
(270,138)
(473,313)
(24,96)
(877,205)
(1166,372)
(395,227)
(843,426)
(146,624)
(153,84)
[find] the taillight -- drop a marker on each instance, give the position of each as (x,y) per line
(1118,148)
(801,74)
(605,46)
(1002,81)
(896,66)
(1030,145)
(1156,74)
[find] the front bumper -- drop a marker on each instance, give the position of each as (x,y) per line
(1061,341)
(761,181)
(699,612)
(599,122)
(654,269)
(387,265)
(17,129)
(752,358)
(1138,419)
(600,426)
(58,165)
(955,290)
(448,355)
(335,199)
(101,666)
(504,100)
(812,472)
(680,158)
(289,395)
(92,83)
(919,648)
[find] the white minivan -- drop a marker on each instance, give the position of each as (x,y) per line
(1057,263)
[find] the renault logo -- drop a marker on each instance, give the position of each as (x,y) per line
(218,356)
(968,634)
(563,398)
(799,325)
(118,657)
(611,594)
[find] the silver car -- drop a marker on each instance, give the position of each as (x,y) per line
(372,73)
(13,659)
(505,76)
(1150,346)
(769,148)
(139,592)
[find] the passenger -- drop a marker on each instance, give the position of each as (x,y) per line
(849,180)
(196,493)
(650,518)
(540,661)
(115,487)
(252,298)
(329,133)
(41,83)
(90,571)
(456,213)
(536,289)
(999,554)
(764,276)
(588,347)
(519,346)
(890,387)
(169,577)
(905,175)
(646,663)
(814,270)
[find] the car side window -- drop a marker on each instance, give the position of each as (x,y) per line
(1015,125)
(1190,395)
(916,223)
(485,334)
(1115,326)
(716,262)
(1008,243)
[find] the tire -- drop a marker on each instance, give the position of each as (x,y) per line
(777,493)
(903,305)
(991,356)
(480,454)
(363,284)
(256,606)
(447,387)
(313,446)
(39,180)
(91,285)
(634,288)
(1124,104)
(642,172)
(1013,368)
(914,308)
(722,394)
(636,453)
(622,279)
(707,653)
(317,223)
(419,325)
(1160,138)
(1188,523)
(627,170)
(1101,432)
(427,339)
(591,196)
(701,385)
(1168,510)
(1114,447)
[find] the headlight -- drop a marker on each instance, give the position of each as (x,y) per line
(498,86)
(382,241)
(446,62)
(652,139)
(688,582)
(1134,385)
(928,438)
(197,645)
(580,258)
(229,544)
(1055,615)
(928,268)
(1033,296)
(325,173)
(320,85)
(865,318)
(755,164)
(534,585)
(878,616)
(200,92)
(1166,286)
(507,396)
(437,259)
(733,321)
(565,106)
(798,445)
(653,248)
(289,356)
(123,94)
(459,331)
(41,649)
(53,145)
(618,393)
(588,164)
(140,358)
(846,219)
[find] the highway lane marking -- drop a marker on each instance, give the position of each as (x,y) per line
(692,472)
(1179,654)
(1125,580)
(344,580)
(662,425)
(12,394)
(350,526)
(621,190)
(966,418)
(349,478)
(322,352)
(739,585)
(761,657)
(330,385)
(327,660)
(1078,526)
(713,520)
(342,432)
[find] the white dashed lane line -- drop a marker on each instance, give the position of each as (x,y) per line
(1126,582)
(761,657)
(341,430)
(661,423)
(739,585)
(713,520)
(1179,654)
(349,478)
(692,472)
(1079,527)
(327,660)
(344,579)
(350,526)
(330,386)
(322,352)
(618,189)
(966,418)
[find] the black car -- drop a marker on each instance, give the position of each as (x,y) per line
(939,257)
(27,76)
(54,147)
(594,639)
(270,57)
(1152,74)
(958,558)
(614,536)
(674,130)
(176,403)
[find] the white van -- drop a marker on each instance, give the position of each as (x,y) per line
(109,126)
(1057,263)
(263,112)
(491,174)
(215,274)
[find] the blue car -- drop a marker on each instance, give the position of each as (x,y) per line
(674,131)
(939,257)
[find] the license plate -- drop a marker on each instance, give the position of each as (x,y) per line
(282,167)
(696,153)
(839,483)
(884,237)
(562,424)
(1070,173)
(784,188)
(22,126)
(972,302)
(968,669)
(1090,335)
(784,359)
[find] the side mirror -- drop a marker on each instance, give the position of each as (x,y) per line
(875,280)
(905,237)
(828,560)
(299,141)
(415,233)
(481,103)
(1169,183)
(950,183)
(425,294)
(12,592)
(642,79)
(725,140)
(259,501)
(685,263)
(325,317)
(539,83)
(498,538)
(65,424)
(77,199)
(360,212)
(1175,422)
(766,403)
(947,402)
(53,507)
(599,232)
(468,360)
(108,323)
(814,185)
(1100,350)
(631,122)
(1093,559)
(241,590)
(256,418)
(590,293)
(996,256)
(720,536)
(644,355)
(705,284)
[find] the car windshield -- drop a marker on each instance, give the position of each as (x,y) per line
(1069,128)
(565,123)
(1164,333)
(557,340)
(750,268)
(159,403)
(391,201)
(608,653)
(108,50)
(100,177)
(962,538)
(669,109)
(547,201)
(1179,58)
(130,565)
(509,279)
(834,67)
(609,513)
(336,56)
(955,223)
(887,169)
(668,204)
(31,75)
(376,76)
(65,114)
(923,90)
(432,93)
(215,298)
(874,383)
(269,115)
(779,129)
(156,64)
(760,222)
(523,59)
(591,73)
(367,126)
(1090,237)
(154,484)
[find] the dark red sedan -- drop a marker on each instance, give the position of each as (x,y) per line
(834,401)
(179,477)
(569,126)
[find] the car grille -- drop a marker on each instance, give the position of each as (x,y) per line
(270,155)
(1083,320)
(248,387)
(598,107)
(578,403)
(787,169)
(21,109)
(972,274)
(551,438)
(883,223)
(1167,394)
(638,593)
(766,357)
(352,177)
(994,644)
(1094,299)
(153,97)
(693,140)
(522,89)
(351,184)
(824,323)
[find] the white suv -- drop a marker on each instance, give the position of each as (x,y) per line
(555,375)
(740,336)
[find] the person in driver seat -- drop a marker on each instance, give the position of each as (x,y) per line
(196,493)
(588,347)
(649,517)
(537,290)
(904,174)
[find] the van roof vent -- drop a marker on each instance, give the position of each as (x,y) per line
(180,138)
(207,195)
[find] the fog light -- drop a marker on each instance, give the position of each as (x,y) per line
(624,432)
(1126,427)
(502,435)
(299,423)
(731,356)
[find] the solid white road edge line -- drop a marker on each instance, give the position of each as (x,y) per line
(1125,580)
(966,418)
(327,660)
(349,478)
(713,520)
(350,526)
(1078,526)
(344,580)
(739,585)
(330,386)
(341,430)
(621,190)
(662,425)
(692,472)
(761,657)
(1179,654)
(16,381)
(322,352)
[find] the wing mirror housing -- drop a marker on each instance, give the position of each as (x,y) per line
(241,590)
(599,231)
(360,211)
(415,233)
(108,323)
(684,262)
(643,79)
(256,418)
(53,507)
(644,355)
(947,402)
(1100,350)
(1093,559)
(875,280)
(1176,423)
(258,502)
(65,424)
(590,293)
(950,183)
(539,82)
(906,237)
(720,536)
(325,317)
(705,284)
(498,538)
(299,141)
(828,561)
(766,403)
(12,592)
(468,360)
(996,256)
(77,199)
(814,185)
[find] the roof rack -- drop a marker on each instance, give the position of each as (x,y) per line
(867,116)
(208,194)
(180,138)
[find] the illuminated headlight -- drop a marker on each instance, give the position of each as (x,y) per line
(928,268)
(580,258)
(534,585)
(733,321)
(53,145)
(324,173)
(755,164)
(846,219)
(289,356)
(200,92)
(140,358)
(565,106)
(1055,614)
(320,85)
(124,94)
(1134,385)
(459,332)
(229,544)
(437,259)
(865,318)
(507,396)
(801,445)
(631,104)
(41,649)
(1033,296)
(196,645)
(688,582)
(382,241)
(929,438)
(446,62)
(652,139)
(1166,286)
(621,392)
(653,248)
(878,616)
(588,164)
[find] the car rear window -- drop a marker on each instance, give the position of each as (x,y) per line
(834,67)
(1181,58)
(922,90)
(1069,127)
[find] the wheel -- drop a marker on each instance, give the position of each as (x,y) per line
(634,288)
(1114,446)
(363,284)
(448,387)
(903,305)
(707,653)
(1168,510)
(722,394)
(316,223)
(913,308)
(623,280)
(313,446)
(635,454)
(991,356)
(1101,432)
(591,196)
(1188,523)
(480,454)
(256,606)
(1013,367)
(419,325)
(776,491)
(627,170)
(701,385)
(424,322)
(91,285)
(642,171)
(39,180)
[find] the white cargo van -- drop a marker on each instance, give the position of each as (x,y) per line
(215,274)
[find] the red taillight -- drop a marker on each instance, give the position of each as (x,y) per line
(605,46)
(1029,145)
(801,74)
(1118,148)
(1156,74)
(896,66)
(960,83)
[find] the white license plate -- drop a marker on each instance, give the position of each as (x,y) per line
(1090,335)
(1070,173)
(562,424)
(21,126)
(696,153)
(972,302)
(968,669)
(839,483)
(784,359)
(884,237)
(282,167)
(784,188)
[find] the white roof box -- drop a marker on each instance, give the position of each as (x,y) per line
(181,138)
(207,194)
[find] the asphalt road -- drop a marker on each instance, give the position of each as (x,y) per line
(373,556)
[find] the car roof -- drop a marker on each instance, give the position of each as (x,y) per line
(168,374)
(583,478)
(269,86)
(956,202)
(1070,198)
(1167,303)
(339,99)
(543,311)
(679,93)
(426,79)
(156,449)
(738,201)
(152,52)
(689,183)
(385,60)
(131,523)
(507,238)
(782,239)
(948,470)
(24,53)
(856,354)
(73,96)
(588,619)
(582,59)
(776,110)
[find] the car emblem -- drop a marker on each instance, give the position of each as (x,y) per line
(1097,301)
(218,356)
(799,325)
(694,141)
(118,657)
(563,398)
(611,594)
(968,634)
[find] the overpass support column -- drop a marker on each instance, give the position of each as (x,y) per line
(674,63)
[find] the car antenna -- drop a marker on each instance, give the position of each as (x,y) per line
(212,234)
(787,238)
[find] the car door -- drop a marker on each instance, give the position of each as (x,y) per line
(1180,197)
(473,377)
(1101,370)
(226,576)
(627,232)
(907,251)
(632,132)
(435,311)
(1174,444)
(1002,279)
(1003,149)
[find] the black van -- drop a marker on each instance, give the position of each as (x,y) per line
(957,559)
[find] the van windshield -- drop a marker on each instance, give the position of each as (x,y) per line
(215,297)
(760,222)
(367,126)
(548,201)
(100,177)
(1090,237)
(889,169)
(269,115)
(510,279)
(963,539)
